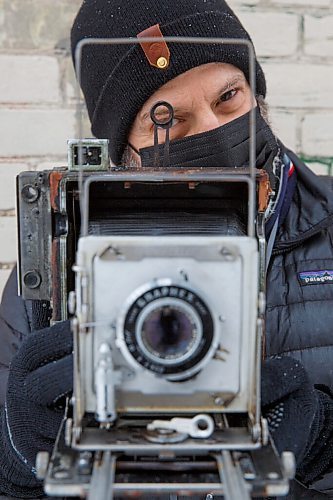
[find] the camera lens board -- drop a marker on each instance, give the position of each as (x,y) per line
(169,330)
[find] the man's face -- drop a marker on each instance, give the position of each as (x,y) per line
(203,99)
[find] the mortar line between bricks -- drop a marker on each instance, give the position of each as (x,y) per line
(294,10)
(294,109)
(303,59)
(8,212)
(323,9)
(7,266)
(300,44)
(37,106)
(21,51)
(31,159)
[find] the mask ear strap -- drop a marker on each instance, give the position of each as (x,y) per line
(163,123)
(134,148)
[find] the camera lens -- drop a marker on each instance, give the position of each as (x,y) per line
(168,329)
(168,332)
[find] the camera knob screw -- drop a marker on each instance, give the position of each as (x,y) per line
(289,464)
(183,274)
(32,279)
(30,193)
(219,401)
(72,302)
(42,464)
(262,303)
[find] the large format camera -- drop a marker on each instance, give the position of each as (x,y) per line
(166,287)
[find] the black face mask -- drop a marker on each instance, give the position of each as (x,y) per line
(227,146)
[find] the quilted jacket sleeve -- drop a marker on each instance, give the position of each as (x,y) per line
(14,326)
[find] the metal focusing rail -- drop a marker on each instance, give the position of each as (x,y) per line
(106,475)
(231,477)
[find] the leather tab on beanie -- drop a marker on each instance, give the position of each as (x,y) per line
(157,53)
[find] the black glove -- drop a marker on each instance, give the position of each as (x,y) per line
(300,416)
(41,375)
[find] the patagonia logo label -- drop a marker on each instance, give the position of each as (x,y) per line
(316,277)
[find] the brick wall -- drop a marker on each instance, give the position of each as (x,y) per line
(294,41)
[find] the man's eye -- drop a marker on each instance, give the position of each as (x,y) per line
(175,122)
(228,95)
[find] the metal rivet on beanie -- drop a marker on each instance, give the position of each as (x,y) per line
(118,80)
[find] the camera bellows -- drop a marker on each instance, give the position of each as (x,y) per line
(169,223)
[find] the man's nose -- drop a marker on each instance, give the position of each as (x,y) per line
(204,121)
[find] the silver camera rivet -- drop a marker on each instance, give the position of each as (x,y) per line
(218,401)
(262,303)
(71,302)
(289,464)
(183,274)
(42,463)
(221,318)
(61,474)
(85,463)
(32,279)
(273,475)
(30,193)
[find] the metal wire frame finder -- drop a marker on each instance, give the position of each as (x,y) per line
(84,204)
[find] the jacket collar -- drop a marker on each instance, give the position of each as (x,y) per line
(311,209)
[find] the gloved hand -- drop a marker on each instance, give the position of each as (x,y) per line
(40,377)
(300,416)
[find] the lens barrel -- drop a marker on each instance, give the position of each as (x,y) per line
(169,330)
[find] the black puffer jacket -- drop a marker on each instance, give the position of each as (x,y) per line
(299,295)
(299,320)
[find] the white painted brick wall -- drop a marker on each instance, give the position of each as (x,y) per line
(29,79)
(317,133)
(301,86)
(35,132)
(294,42)
(284,125)
(8,172)
(237,3)
(319,168)
(4,275)
(9,241)
(318,36)
(273,34)
(307,3)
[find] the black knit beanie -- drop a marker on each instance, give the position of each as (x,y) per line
(118,80)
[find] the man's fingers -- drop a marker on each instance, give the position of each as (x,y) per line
(281,377)
(44,346)
(49,383)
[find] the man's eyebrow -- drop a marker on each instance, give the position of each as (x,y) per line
(230,83)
